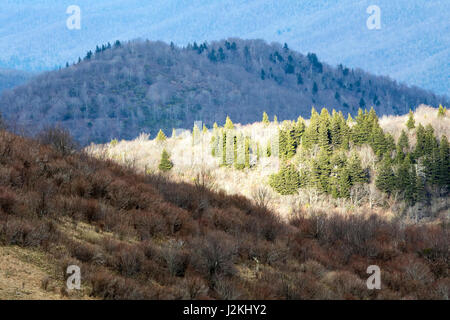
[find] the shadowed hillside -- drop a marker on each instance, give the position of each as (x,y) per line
(142,236)
(122,90)
(12,78)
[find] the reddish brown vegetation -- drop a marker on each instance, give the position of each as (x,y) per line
(161,240)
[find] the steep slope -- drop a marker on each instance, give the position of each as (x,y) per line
(144,237)
(412,44)
(123,90)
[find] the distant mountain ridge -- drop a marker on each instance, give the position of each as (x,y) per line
(412,46)
(122,90)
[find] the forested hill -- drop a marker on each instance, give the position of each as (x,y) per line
(121,90)
(11,78)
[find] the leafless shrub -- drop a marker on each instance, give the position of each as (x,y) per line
(176,258)
(193,288)
(109,287)
(45,282)
(58,138)
(226,289)
(7,200)
(204,179)
(262,196)
(83,252)
(128,260)
(345,285)
(215,255)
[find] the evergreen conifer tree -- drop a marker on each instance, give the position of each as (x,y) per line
(229,124)
(265,118)
(165,164)
(355,169)
(441,111)
(444,163)
(385,179)
(324,170)
(286,181)
(420,142)
(324,130)
(161,137)
(411,123)
(311,135)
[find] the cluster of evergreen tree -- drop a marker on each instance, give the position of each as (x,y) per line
(417,172)
(330,163)
(232,147)
(331,170)
(334,169)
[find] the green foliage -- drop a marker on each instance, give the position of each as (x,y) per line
(195,135)
(363,128)
(385,180)
(287,142)
(406,180)
(441,111)
(242,154)
(402,147)
(324,137)
(321,169)
(286,181)
(161,137)
(421,193)
(113,142)
(426,141)
(229,124)
(300,128)
(265,118)
(444,163)
(269,149)
(334,170)
(356,171)
(403,142)
(229,147)
(311,135)
(165,164)
(411,123)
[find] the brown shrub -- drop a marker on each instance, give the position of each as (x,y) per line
(193,288)
(128,260)
(7,200)
(149,225)
(345,285)
(214,255)
(109,287)
(59,139)
(176,258)
(82,251)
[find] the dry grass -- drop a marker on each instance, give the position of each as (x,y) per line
(424,115)
(27,274)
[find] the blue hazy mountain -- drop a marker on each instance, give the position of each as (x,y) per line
(411,46)
(12,78)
